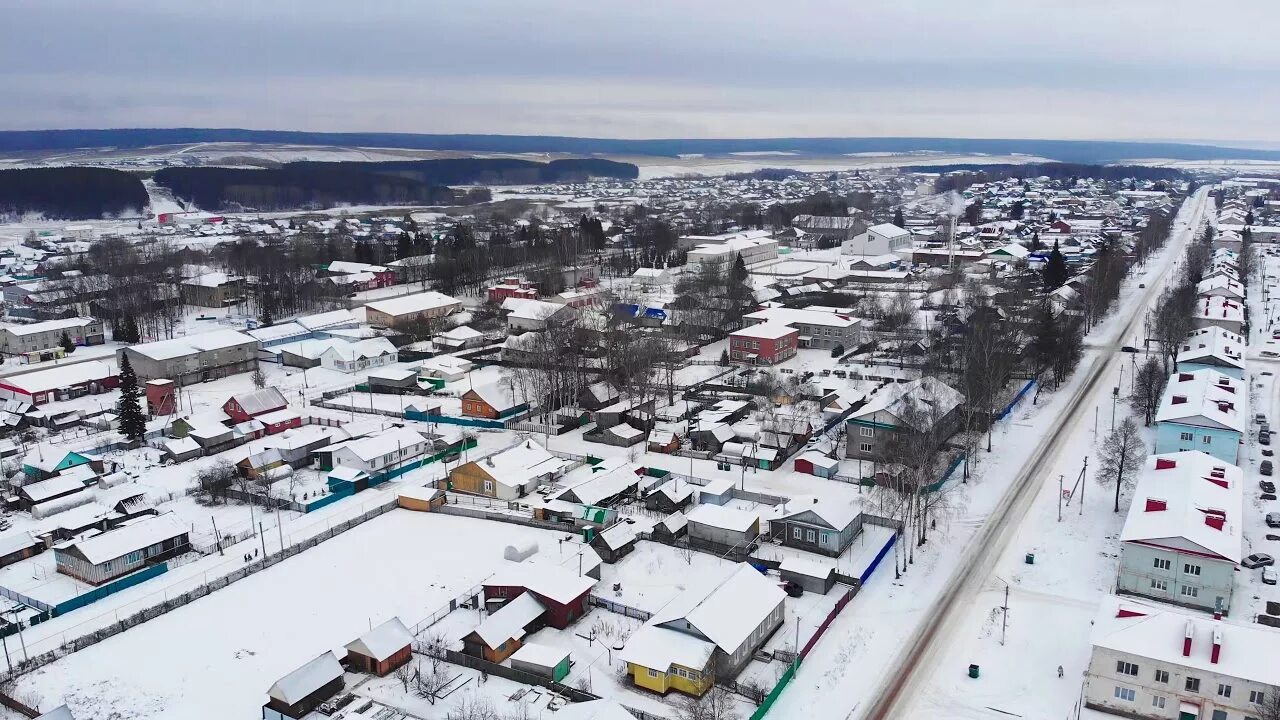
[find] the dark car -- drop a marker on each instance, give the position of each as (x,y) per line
(1258,560)
(1268,452)
(1264,438)
(1130,349)
(1267,486)
(1267,496)
(1273,519)
(792,588)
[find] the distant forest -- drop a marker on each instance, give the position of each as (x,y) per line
(71,193)
(1079,151)
(975,173)
(300,185)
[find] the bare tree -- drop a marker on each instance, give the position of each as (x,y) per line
(213,480)
(1121,456)
(1269,707)
(1148,389)
(716,704)
(259,377)
(406,674)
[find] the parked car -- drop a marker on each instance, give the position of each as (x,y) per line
(1258,560)
(1273,519)
(1268,576)
(1265,467)
(1268,452)
(1267,496)
(1264,438)
(792,588)
(1260,419)
(1267,486)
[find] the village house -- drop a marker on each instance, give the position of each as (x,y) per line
(373,455)
(535,315)
(105,556)
(926,409)
(1222,312)
(1160,662)
(706,634)
(1202,410)
(826,528)
(254,403)
(507,475)
(1181,541)
(553,596)
(1215,349)
(722,527)
(881,239)
(404,311)
(494,401)
(193,358)
(600,485)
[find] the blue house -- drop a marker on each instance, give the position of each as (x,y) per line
(1213,348)
(1202,410)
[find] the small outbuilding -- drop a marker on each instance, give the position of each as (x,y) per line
(716,492)
(812,576)
(422,499)
(295,695)
(542,660)
(382,649)
(815,463)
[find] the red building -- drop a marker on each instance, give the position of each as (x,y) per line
(768,343)
(60,383)
(562,592)
(512,287)
(252,404)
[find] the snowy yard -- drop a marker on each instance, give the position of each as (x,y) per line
(216,657)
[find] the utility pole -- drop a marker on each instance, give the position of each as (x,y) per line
(1083,481)
(279,528)
(216,537)
(1004,623)
(263,538)
(1059,498)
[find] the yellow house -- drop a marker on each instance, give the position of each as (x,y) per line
(659,660)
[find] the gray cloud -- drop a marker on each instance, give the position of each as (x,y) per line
(711,68)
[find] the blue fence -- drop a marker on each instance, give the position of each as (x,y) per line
(333,497)
(110,588)
(866,574)
(1016,399)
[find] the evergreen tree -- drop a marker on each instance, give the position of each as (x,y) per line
(1055,272)
(403,246)
(267,319)
(132,422)
(66,343)
(898,219)
(131,329)
(1046,337)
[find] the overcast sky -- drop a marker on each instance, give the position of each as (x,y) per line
(1113,69)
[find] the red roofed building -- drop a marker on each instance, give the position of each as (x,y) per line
(252,404)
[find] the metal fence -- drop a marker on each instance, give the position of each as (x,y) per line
(618,608)
(519,676)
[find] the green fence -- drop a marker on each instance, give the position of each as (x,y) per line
(776,692)
(110,588)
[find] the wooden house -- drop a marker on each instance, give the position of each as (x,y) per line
(670,496)
(826,528)
(494,401)
(421,499)
(254,404)
(297,694)
(18,545)
(616,542)
(561,591)
(508,475)
(105,556)
(382,649)
(503,631)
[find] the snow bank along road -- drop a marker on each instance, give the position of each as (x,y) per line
(920,650)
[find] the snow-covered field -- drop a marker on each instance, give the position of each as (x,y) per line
(216,657)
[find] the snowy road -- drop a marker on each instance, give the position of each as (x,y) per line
(916,663)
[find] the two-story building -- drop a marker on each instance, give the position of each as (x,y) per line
(818,328)
(879,239)
(1202,410)
(1212,348)
(193,358)
(1165,663)
(22,339)
(767,343)
(927,409)
(1181,541)
(1219,311)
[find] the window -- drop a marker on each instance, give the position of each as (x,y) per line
(1126,694)
(1190,591)
(1224,690)
(1161,585)
(1162,676)
(1126,668)
(864,447)
(134,557)
(1186,436)
(1257,697)
(1219,715)
(1193,684)
(1207,440)
(1189,569)
(795,532)
(824,538)
(810,535)
(488,486)
(866,432)
(1162,564)
(1157,701)
(652,673)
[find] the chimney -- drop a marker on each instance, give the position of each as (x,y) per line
(1217,640)
(1219,481)
(1179,399)
(1183,377)
(1215,521)
(1156,505)
(1166,463)
(1186,642)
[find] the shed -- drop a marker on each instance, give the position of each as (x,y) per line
(815,463)
(722,526)
(616,542)
(382,649)
(813,576)
(544,660)
(716,492)
(422,499)
(301,691)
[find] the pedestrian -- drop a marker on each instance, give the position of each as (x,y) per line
(1059,671)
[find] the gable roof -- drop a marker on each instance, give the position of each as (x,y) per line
(1213,345)
(127,538)
(509,621)
(1179,495)
(499,395)
(260,401)
(307,679)
(927,396)
(728,612)
(382,641)
(520,463)
(553,582)
(723,517)
(1204,398)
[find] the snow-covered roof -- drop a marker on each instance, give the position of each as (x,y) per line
(127,538)
(550,581)
(806,567)
(723,517)
(307,679)
(591,484)
(772,330)
(53,487)
(50,325)
(62,712)
(510,620)
(1205,398)
(802,316)
(888,230)
(542,655)
(382,641)
(1158,632)
(833,512)
(462,333)
(819,460)
(659,648)
(57,378)
(1213,343)
(500,395)
(1220,282)
(1219,308)
(385,442)
(1188,497)
(260,401)
(521,463)
(527,309)
(928,397)
(416,303)
(728,612)
(717,486)
(12,542)
(333,318)
(277,332)
(191,344)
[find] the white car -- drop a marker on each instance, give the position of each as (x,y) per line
(1268,576)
